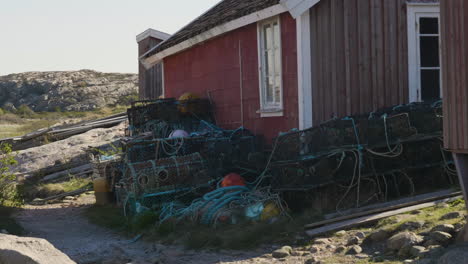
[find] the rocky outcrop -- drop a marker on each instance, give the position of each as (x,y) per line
(28,250)
(68,90)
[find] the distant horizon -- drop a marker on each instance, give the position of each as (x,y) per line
(13,73)
(55,35)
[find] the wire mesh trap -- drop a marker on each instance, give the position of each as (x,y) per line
(390,148)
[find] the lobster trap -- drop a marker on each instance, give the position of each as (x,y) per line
(392,152)
(163,116)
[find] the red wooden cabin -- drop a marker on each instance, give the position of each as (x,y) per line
(272,65)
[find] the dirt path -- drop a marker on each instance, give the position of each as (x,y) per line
(66,228)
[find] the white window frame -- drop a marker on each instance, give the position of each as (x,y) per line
(266,110)
(416,11)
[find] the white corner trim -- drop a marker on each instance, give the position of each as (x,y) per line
(152,33)
(214,32)
(304,61)
(298,7)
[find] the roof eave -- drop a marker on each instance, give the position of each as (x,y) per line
(149,61)
(298,7)
(152,33)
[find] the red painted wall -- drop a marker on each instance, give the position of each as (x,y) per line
(213,70)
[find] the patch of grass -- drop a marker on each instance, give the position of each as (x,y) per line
(350,260)
(8,223)
(246,235)
(107,216)
(34,190)
(26,121)
(431,216)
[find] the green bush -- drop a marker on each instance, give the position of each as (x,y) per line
(2,112)
(128,99)
(24,111)
(8,188)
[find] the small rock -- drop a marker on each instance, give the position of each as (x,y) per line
(361,256)
(38,201)
(404,239)
(442,205)
(313,260)
(459,225)
(282,252)
(452,215)
(412,225)
(417,251)
(435,251)
(361,235)
(314,249)
(340,233)
(331,247)
(353,241)
(379,235)
(441,237)
(354,250)
(425,261)
(340,249)
(4,232)
(305,254)
(69,198)
(444,228)
(408,261)
(322,241)
(431,242)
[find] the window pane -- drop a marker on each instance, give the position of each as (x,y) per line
(429,51)
(268,35)
(270,67)
(429,25)
(269,90)
(277,34)
(430,85)
(278,89)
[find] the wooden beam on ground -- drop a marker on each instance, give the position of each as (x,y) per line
(371,218)
(376,208)
(80,169)
(383,207)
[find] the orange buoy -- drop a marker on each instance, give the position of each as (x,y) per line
(233,179)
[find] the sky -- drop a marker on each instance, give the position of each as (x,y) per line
(62,35)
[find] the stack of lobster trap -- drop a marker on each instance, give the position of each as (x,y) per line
(171,150)
(174,154)
(358,160)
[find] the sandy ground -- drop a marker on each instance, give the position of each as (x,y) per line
(67,229)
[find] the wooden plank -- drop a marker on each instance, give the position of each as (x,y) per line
(463,66)
(56,175)
(340,66)
(333,55)
(355,87)
(402,62)
(371,218)
(365,57)
(347,54)
(382,207)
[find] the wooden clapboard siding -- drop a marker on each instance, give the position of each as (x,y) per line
(150,80)
(454,30)
(360,56)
